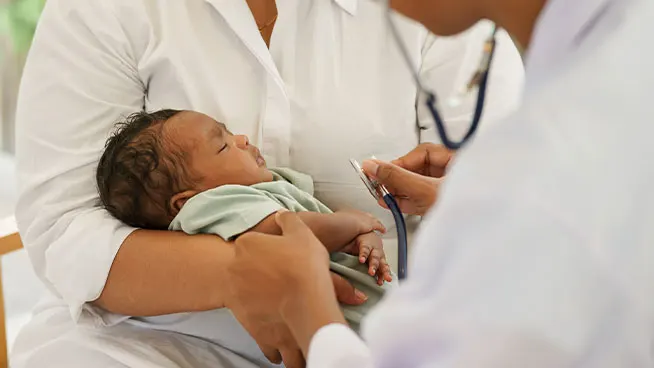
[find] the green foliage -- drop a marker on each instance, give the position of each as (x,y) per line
(18,20)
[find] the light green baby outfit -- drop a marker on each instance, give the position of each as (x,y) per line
(231,210)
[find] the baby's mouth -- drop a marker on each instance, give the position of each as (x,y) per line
(261,161)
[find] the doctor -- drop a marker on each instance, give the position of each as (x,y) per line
(549,263)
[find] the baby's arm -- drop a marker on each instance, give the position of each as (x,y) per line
(334,230)
(230,211)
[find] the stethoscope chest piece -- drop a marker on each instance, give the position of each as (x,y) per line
(373,187)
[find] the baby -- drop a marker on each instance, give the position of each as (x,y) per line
(183,171)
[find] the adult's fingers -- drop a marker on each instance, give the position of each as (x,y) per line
(346,293)
(293,358)
(426,159)
(378,226)
(405,203)
(271,353)
(390,175)
(414,193)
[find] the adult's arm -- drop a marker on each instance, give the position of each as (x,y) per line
(80,77)
(448,63)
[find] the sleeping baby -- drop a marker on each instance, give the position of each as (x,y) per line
(183,171)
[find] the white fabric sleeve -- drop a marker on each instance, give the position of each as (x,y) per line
(448,63)
(337,346)
(79,79)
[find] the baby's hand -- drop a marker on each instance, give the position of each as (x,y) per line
(369,248)
(364,221)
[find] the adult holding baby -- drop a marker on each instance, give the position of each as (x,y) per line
(303,79)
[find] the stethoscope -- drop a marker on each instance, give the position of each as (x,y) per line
(479,80)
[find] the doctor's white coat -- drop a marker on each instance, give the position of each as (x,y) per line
(549,263)
(331,87)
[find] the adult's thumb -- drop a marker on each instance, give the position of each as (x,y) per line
(387,173)
(346,293)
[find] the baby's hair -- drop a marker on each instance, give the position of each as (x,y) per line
(140,170)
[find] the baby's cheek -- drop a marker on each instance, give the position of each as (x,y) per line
(212,181)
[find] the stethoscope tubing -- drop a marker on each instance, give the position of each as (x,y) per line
(402,242)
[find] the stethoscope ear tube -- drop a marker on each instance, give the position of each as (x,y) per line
(483,74)
(480,79)
(402,243)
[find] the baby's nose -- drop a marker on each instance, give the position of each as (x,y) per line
(242,141)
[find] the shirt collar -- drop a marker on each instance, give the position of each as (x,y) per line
(349,6)
(560,27)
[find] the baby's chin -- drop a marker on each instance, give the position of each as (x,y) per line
(267,174)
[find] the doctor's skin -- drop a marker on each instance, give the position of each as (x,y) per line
(449,17)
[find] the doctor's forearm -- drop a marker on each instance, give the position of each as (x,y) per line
(162,272)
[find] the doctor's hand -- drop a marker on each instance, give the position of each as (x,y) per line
(414,193)
(281,289)
(413,178)
(427,159)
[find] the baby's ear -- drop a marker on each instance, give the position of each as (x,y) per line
(179,200)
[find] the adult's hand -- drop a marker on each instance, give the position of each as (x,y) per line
(345,292)
(273,335)
(413,178)
(427,159)
(281,289)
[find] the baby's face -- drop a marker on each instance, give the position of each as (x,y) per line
(214,154)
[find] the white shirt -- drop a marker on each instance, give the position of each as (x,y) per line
(549,263)
(332,87)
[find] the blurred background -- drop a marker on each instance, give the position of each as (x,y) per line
(18,19)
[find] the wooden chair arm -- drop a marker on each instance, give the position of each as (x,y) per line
(8,244)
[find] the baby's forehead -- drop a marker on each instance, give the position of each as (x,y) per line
(192,125)
(188,131)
